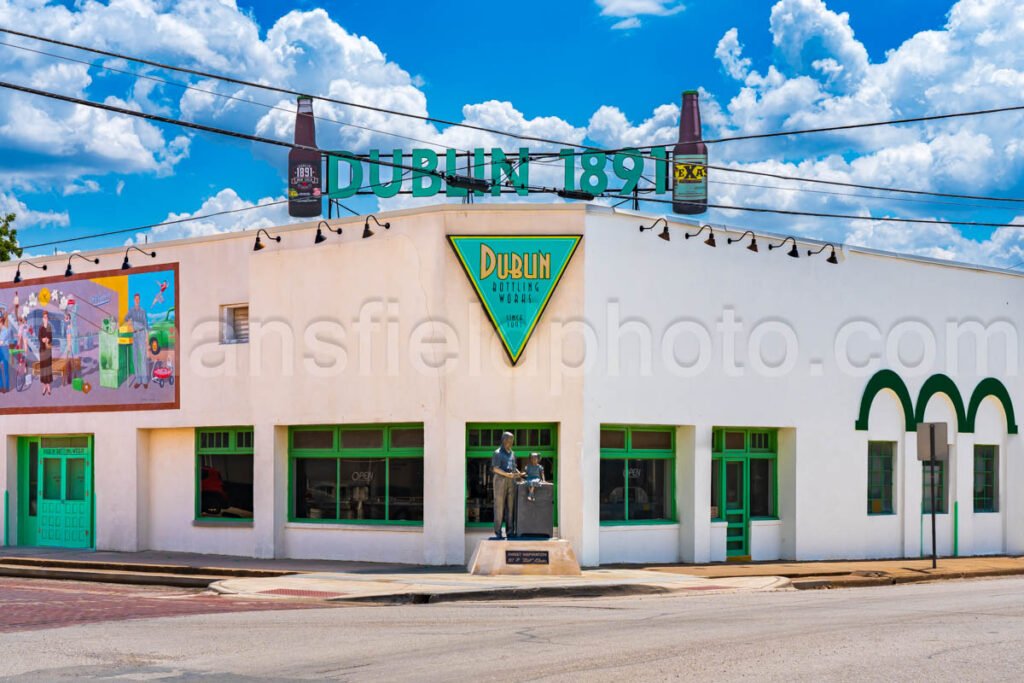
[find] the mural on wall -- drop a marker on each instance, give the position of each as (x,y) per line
(95,341)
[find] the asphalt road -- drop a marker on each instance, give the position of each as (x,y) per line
(946,631)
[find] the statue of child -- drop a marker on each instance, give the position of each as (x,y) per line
(534,475)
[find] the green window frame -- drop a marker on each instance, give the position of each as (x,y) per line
(640,450)
(881,461)
(482,439)
(926,484)
(336,451)
(755,445)
(986,478)
(229,447)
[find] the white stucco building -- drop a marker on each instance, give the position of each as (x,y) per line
(340,399)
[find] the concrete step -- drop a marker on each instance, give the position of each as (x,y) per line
(142,578)
(141,568)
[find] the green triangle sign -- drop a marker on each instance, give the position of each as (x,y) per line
(514,276)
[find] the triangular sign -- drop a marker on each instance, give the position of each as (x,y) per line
(514,276)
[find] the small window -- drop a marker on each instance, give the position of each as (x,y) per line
(313,439)
(933,472)
(735,441)
(244,439)
(235,324)
(362,439)
(613,439)
(880,478)
(214,440)
(407,437)
(986,489)
(716,488)
(645,440)
(760,441)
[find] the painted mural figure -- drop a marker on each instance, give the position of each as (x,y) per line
(140,343)
(45,335)
(7,339)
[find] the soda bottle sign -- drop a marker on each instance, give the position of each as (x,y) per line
(689,161)
(304,194)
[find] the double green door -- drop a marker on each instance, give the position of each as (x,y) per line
(56,507)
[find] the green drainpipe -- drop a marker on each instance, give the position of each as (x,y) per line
(956,528)
(5,518)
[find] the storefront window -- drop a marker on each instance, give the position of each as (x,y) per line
(481,442)
(637,474)
(224,470)
(762,485)
(375,475)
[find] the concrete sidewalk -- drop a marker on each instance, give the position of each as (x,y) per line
(851,573)
(404,588)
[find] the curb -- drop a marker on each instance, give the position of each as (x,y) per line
(138,568)
(853,581)
(149,578)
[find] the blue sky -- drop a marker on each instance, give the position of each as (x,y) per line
(608,72)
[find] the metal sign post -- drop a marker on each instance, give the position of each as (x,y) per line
(933,447)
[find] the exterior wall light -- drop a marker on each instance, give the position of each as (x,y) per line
(710,241)
(259,245)
(753,240)
(664,233)
(366,226)
(17,273)
(320,237)
(125,265)
(794,252)
(68,272)
(831,257)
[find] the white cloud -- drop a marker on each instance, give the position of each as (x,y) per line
(633,8)
(626,24)
(84,187)
(27,217)
(728,53)
(225,200)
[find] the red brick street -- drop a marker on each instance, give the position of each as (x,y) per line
(30,604)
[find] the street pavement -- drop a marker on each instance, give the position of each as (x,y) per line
(956,630)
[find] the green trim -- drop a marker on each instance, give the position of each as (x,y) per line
(632,453)
(338,453)
(942,384)
(232,449)
(990,386)
(720,457)
(881,380)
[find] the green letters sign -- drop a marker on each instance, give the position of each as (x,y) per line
(514,276)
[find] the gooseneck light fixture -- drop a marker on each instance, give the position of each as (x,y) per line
(794,252)
(17,273)
(753,240)
(831,257)
(125,265)
(259,245)
(664,233)
(366,226)
(320,237)
(68,272)
(710,241)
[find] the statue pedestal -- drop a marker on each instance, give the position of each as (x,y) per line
(547,557)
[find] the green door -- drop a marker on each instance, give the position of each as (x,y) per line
(737,512)
(28,490)
(64,493)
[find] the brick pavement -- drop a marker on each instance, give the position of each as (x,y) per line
(29,604)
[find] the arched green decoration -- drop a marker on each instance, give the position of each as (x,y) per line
(990,386)
(942,384)
(886,379)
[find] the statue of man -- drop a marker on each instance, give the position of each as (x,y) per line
(503,465)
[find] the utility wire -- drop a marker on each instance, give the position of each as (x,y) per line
(186,86)
(584,148)
(255,138)
(143,228)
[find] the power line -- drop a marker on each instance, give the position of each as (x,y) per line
(151,226)
(186,86)
(584,148)
(817,214)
